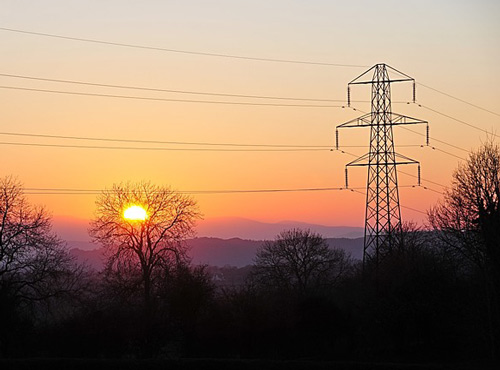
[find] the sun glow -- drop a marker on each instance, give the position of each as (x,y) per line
(135,213)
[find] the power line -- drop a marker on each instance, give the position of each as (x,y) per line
(412,209)
(429,181)
(448,153)
(460,100)
(434,139)
(73,191)
(142,88)
(290,146)
(437,149)
(168,99)
(432,147)
(459,120)
(270,149)
(224,56)
(405,173)
(160,141)
(179,51)
(162,148)
(433,190)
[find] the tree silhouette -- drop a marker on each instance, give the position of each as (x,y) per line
(34,263)
(468,224)
(139,250)
(299,260)
(38,277)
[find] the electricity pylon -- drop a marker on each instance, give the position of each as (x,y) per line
(383,214)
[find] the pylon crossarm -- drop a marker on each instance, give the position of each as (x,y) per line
(380,164)
(394,119)
(355,162)
(408,78)
(359,81)
(361,75)
(408,160)
(364,120)
(381,81)
(399,119)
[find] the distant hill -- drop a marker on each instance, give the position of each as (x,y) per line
(222,252)
(233,227)
(75,232)
(93,257)
(353,246)
(240,252)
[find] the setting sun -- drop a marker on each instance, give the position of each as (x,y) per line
(135,213)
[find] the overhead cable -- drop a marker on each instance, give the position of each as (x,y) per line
(458,99)
(168,99)
(402,206)
(72,191)
(399,171)
(75,191)
(196,143)
(458,120)
(152,89)
(179,51)
(163,148)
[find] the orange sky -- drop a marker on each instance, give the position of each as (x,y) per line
(450,46)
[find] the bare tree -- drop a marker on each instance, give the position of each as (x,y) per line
(139,250)
(34,264)
(299,260)
(468,224)
(468,218)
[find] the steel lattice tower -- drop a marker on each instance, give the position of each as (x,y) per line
(383,215)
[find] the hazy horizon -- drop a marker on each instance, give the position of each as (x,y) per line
(72,229)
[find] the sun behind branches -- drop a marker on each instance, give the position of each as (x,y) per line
(135,213)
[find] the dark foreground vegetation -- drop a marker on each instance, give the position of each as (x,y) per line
(222,364)
(431,300)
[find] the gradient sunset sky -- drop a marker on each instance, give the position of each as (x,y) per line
(451,46)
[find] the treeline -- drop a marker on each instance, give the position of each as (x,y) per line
(419,305)
(432,296)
